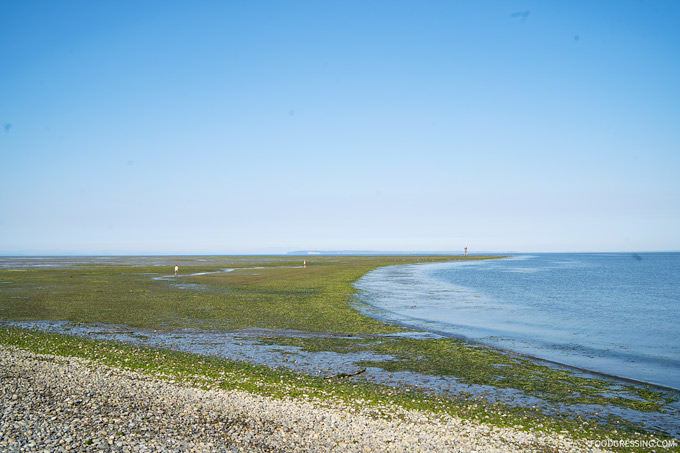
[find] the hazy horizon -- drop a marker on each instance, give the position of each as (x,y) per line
(314,252)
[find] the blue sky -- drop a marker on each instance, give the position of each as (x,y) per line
(267,126)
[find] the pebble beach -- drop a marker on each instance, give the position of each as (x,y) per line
(53,403)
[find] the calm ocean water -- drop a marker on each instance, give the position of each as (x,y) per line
(617,314)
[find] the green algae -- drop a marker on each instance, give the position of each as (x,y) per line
(272,293)
(214,373)
(481,365)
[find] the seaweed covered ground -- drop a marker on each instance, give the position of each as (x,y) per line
(308,310)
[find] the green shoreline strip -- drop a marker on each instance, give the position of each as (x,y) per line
(263,292)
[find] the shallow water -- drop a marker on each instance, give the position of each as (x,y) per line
(610,313)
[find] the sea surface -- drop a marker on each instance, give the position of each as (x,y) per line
(616,314)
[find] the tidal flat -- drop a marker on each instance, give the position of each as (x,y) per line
(270,316)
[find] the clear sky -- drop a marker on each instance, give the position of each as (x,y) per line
(269,126)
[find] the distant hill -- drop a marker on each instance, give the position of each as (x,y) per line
(374,252)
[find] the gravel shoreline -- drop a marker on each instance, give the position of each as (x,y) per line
(53,403)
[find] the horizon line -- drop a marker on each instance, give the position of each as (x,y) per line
(310,252)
